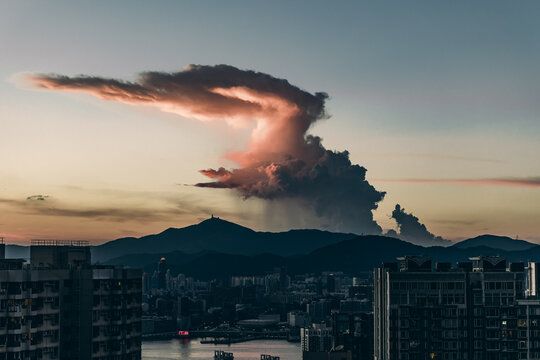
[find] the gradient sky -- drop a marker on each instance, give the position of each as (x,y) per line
(440,101)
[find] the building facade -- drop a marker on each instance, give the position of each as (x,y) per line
(472,312)
(353,333)
(317,338)
(59,306)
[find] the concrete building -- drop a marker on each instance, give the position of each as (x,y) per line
(59,306)
(353,333)
(2,248)
(317,338)
(529,328)
(116,313)
(162,274)
(472,312)
(533,279)
(318,311)
(298,319)
(353,305)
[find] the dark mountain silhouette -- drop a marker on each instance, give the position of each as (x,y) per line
(361,252)
(218,248)
(222,236)
(351,256)
(496,242)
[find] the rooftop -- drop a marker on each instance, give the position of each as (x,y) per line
(52,242)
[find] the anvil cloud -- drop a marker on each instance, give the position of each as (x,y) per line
(280,161)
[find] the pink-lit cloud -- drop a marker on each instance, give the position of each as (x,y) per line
(281,160)
(220,173)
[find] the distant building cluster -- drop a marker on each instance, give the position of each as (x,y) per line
(481,309)
(162,282)
(327,313)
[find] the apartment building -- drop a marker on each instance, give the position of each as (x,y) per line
(474,311)
(316,338)
(59,306)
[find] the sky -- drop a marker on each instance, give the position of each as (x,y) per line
(439,101)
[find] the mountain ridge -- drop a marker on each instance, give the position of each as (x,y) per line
(352,256)
(221,236)
(215,235)
(496,242)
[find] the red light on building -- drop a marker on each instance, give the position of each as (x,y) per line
(183,333)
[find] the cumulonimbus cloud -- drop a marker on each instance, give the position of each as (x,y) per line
(281,159)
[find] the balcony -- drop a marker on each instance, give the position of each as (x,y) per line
(14,326)
(13,344)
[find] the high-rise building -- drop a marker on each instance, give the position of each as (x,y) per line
(146,283)
(298,319)
(2,248)
(318,310)
(162,273)
(353,333)
(316,339)
(472,312)
(59,306)
(331,283)
(533,279)
(529,328)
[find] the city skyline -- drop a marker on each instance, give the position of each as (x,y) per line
(438,103)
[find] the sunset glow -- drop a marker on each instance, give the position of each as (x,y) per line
(314,117)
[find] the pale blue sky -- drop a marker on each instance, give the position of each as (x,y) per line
(418,90)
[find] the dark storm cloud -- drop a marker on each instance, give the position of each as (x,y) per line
(412,230)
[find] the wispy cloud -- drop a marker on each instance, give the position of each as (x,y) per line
(529,182)
(139,206)
(455,222)
(434,156)
(46,206)
(37,197)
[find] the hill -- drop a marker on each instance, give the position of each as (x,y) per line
(222,236)
(496,242)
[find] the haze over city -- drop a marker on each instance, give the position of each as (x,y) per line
(126,120)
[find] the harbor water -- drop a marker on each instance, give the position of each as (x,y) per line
(193,350)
